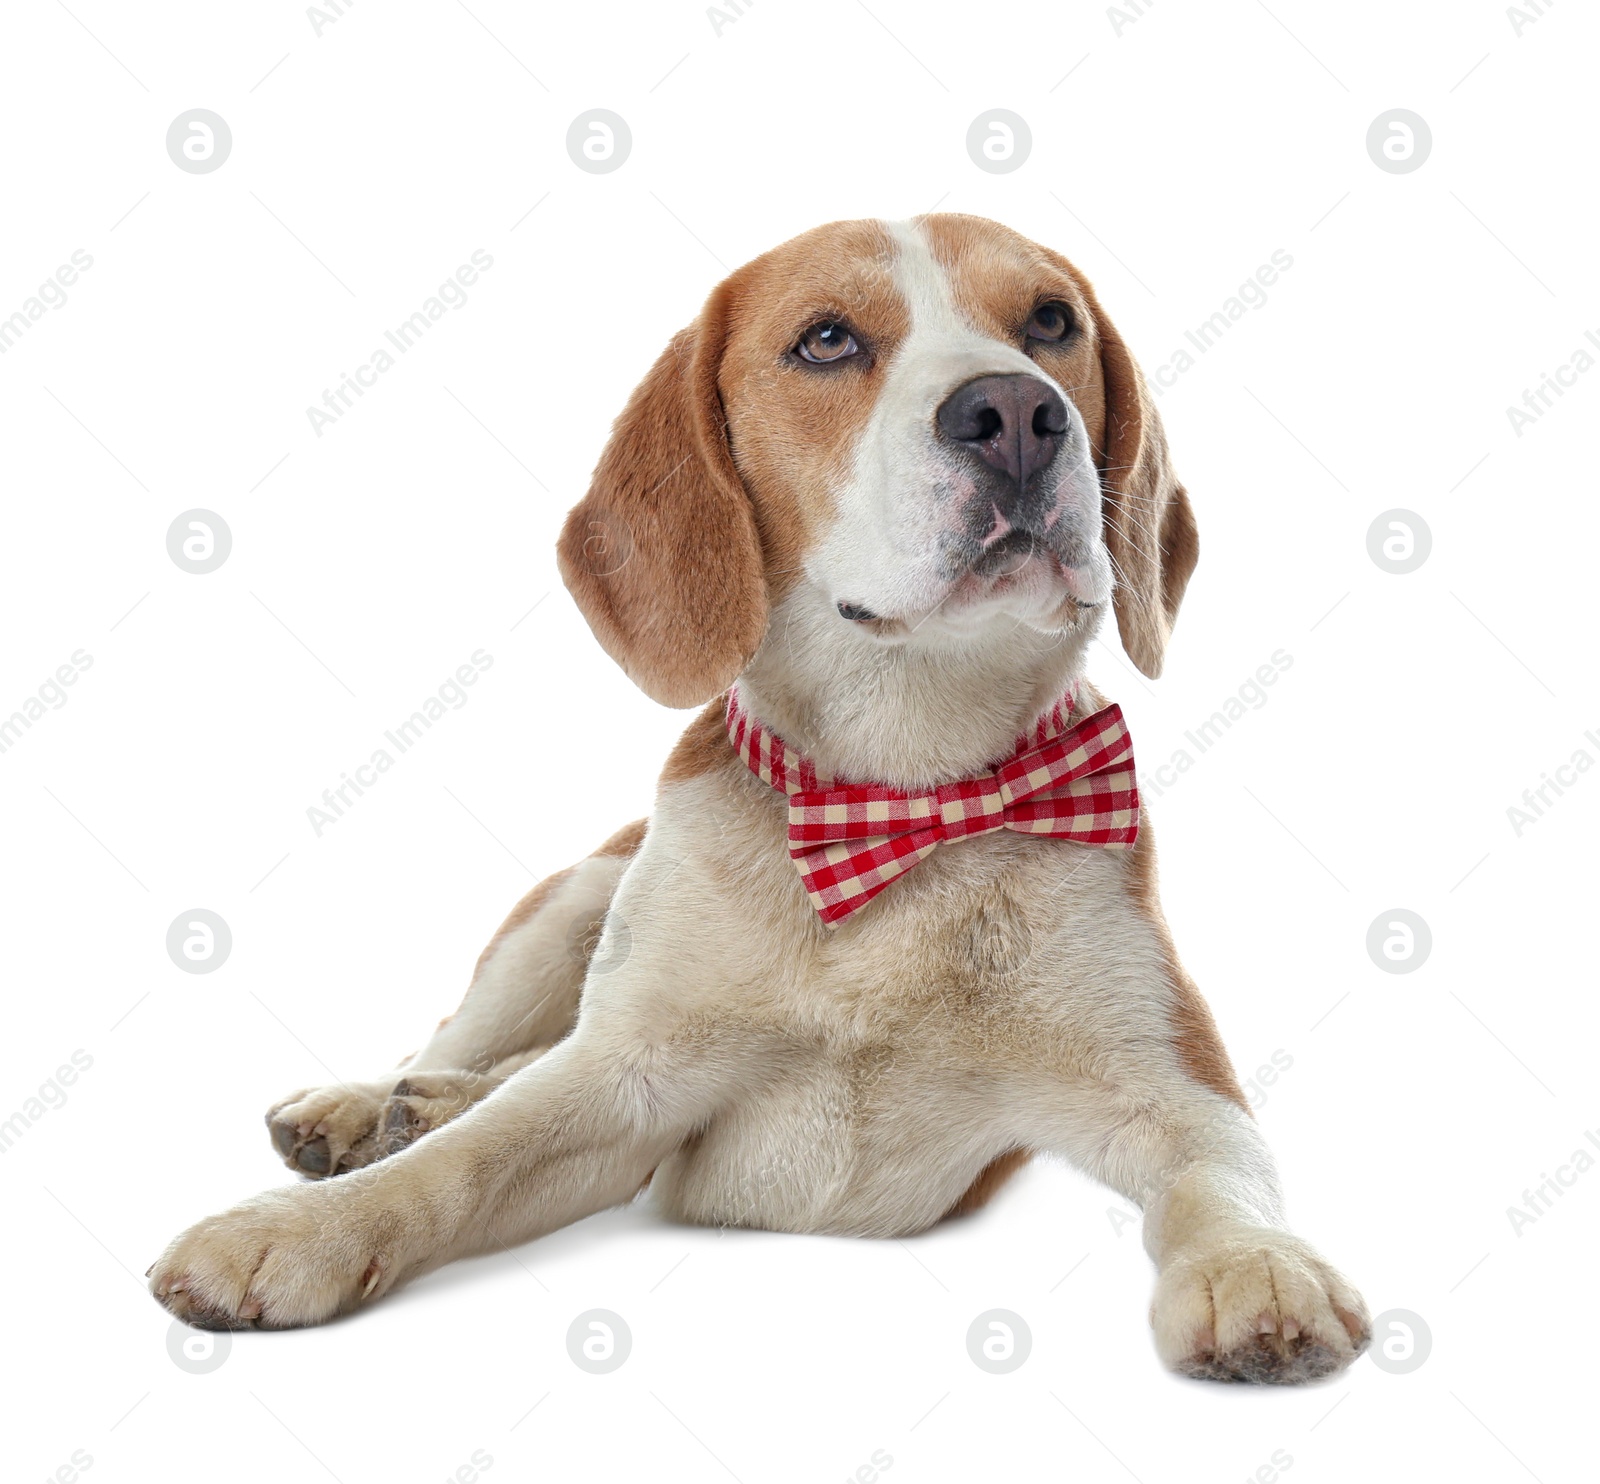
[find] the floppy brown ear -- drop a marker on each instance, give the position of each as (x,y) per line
(1147,522)
(662,553)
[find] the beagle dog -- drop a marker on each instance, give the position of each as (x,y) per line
(893,926)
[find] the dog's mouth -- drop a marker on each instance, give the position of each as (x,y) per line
(1055,573)
(1013,566)
(1010,554)
(1020,560)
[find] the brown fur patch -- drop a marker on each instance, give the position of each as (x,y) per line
(524,909)
(626,842)
(990,1178)
(703,746)
(1194,1030)
(1199,1042)
(623,844)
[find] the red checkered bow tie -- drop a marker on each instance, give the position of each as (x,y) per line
(850,840)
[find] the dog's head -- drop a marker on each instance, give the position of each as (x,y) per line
(923,430)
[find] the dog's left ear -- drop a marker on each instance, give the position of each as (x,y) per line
(1147,521)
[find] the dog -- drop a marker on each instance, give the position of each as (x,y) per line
(893,926)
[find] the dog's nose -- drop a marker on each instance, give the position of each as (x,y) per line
(1013,423)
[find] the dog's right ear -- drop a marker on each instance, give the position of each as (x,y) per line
(662,554)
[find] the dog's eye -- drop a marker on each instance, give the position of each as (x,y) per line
(825,342)
(1051,322)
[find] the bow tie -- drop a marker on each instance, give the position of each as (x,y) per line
(851,840)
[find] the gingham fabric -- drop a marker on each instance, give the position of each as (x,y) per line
(850,840)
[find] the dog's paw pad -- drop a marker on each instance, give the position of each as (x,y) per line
(410,1112)
(403,1120)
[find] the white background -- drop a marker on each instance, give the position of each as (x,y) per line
(368,162)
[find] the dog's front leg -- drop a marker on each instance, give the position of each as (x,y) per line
(578,1131)
(1238,1296)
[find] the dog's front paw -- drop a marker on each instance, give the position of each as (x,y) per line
(287,1258)
(323,1131)
(1257,1306)
(422,1101)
